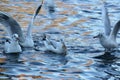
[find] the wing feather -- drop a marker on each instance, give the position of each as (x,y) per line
(106,19)
(11,25)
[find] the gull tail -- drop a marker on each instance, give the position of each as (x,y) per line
(29,30)
(11,25)
(106,20)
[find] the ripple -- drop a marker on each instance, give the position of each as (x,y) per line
(77,21)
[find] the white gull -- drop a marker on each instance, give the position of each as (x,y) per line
(108,39)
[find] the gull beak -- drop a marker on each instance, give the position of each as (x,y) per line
(17,38)
(96,36)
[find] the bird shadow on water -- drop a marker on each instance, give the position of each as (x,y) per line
(107,58)
(107,63)
(12,58)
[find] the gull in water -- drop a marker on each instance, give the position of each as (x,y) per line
(108,39)
(12,27)
(57,47)
(12,45)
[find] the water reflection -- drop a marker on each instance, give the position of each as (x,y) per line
(106,63)
(12,57)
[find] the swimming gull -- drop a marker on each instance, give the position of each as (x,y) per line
(57,47)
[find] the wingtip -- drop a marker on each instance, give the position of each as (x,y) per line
(39,8)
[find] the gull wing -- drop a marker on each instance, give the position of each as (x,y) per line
(52,43)
(29,30)
(115,30)
(11,25)
(49,46)
(106,20)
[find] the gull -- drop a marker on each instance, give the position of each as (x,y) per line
(13,27)
(108,39)
(57,47)
(12,45)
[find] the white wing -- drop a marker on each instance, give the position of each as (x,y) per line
(115,30)
(11,25)
(29,30)
(106,20)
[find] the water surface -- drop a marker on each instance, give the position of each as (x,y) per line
(77,21)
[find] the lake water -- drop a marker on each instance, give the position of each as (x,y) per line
(76,21)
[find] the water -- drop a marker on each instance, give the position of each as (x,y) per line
(77,21)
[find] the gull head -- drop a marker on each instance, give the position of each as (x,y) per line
(12,45)
(45,37)
(15,37)
(100,35)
